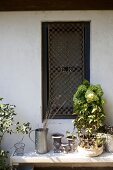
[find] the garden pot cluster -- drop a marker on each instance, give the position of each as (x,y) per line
(59,147)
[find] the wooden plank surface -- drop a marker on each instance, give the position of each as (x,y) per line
(68,168)
(29,5)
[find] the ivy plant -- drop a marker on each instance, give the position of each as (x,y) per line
(8,125)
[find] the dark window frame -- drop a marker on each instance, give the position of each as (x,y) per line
(44,29)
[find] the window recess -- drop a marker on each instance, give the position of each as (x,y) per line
(65,64)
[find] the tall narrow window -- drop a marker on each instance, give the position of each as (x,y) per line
(65,63)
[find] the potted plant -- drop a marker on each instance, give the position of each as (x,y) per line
(57,142)
(8,125)
(109,138)
(72,140)
(88,107)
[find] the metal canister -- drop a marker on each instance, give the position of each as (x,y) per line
(40,140)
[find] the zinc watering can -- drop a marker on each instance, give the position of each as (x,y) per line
(40,140)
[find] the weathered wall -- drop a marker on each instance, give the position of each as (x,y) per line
(20,63)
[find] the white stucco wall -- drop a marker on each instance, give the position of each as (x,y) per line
(20,63)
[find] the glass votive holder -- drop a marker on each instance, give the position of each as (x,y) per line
(19,149)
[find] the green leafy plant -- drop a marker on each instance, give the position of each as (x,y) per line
(8,125)
(3,157)
(88,107)
(71,135)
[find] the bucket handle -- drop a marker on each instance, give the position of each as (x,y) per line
(30,136)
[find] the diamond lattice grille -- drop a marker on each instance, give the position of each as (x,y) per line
(65,62)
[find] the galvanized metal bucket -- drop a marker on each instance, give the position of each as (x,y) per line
(109,143)
(40,140)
